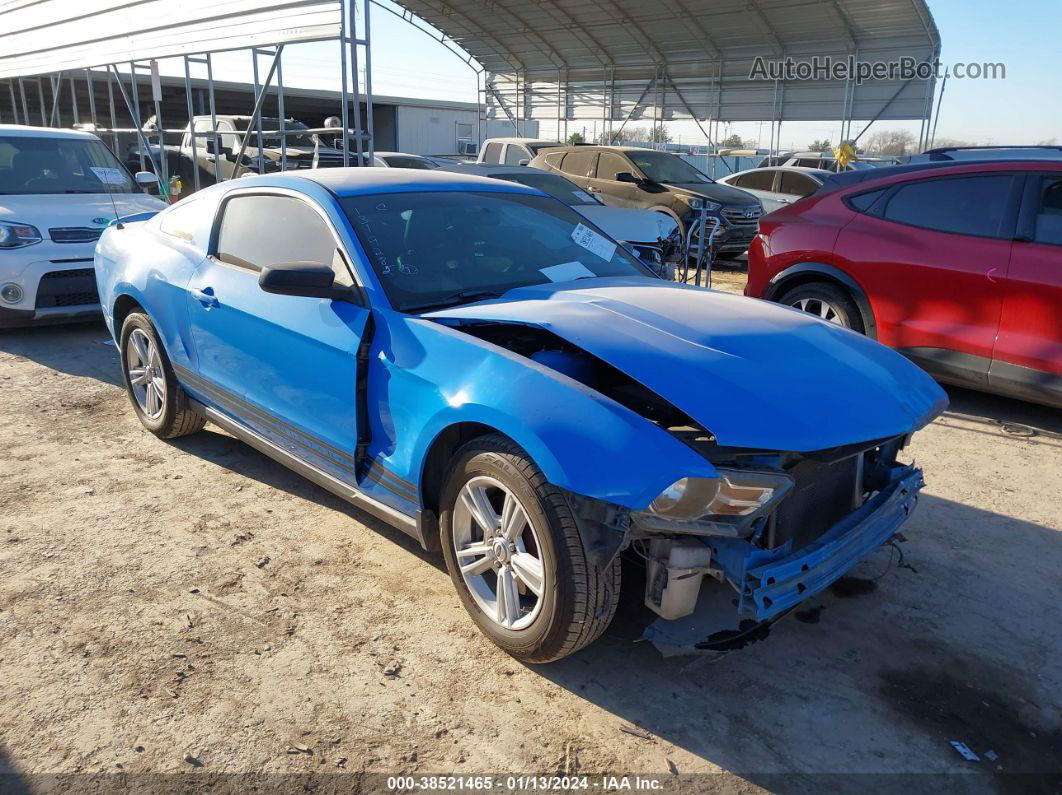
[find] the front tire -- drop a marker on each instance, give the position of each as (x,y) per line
(516,558)
(160,403)
(827,302)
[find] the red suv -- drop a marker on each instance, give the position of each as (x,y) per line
(958,265)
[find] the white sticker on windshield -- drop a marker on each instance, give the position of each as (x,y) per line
(582,196)
(109,176)
(593,242)
(566,272)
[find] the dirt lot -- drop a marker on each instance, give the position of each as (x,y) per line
(195,607)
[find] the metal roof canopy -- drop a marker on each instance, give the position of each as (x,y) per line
(616,60)
(50,36)
(53,40)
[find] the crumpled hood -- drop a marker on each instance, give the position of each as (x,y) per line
(47,211)
(755,374)
(628,223)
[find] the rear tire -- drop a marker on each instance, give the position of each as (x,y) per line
(825,301)
(160,403)
(493,478)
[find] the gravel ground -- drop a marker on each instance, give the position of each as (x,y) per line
(194,607)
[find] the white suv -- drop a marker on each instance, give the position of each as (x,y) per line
(59,189)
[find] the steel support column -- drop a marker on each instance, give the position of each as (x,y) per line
(280,113)
(369,127)
(191,122)
(134,111)
(256,115)
(92,100)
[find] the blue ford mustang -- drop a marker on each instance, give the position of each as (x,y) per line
(475,363)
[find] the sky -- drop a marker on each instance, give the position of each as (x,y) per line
(1024,108)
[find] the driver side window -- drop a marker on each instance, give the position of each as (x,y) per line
(611,164)
(260,230)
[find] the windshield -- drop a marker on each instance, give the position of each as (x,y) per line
(305,140)
(535,148)
(60,165)
(665,167)
(557,187)
(444,248)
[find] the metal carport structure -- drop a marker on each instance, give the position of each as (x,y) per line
(620,60)
(561,60)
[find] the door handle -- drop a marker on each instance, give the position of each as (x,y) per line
(205,296)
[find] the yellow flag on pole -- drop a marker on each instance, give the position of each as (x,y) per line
(845,155)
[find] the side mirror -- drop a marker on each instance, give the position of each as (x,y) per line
(523,161)
(626,176)
(146,179)
(308,279)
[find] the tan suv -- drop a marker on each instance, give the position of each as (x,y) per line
(628,176)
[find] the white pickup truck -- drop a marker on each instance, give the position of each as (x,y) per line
(301,149)
(512,151)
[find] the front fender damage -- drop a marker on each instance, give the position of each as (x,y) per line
(604,528)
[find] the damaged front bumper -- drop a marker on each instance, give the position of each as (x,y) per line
(772,581)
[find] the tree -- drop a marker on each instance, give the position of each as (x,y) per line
(657,134)
(821,146)
(890,142)
(575,139)
(734,141)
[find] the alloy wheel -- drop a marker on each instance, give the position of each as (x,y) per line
(146,378)
(820,308)
(498,552)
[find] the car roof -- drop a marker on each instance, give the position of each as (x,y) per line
(365,180)
(24,131)
(398,154)
(522,141)
(603,148)
(846,179)
(814,172)
(1030,152)
(493,169)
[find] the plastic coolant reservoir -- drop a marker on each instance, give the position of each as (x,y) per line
(674,577)
(577,367)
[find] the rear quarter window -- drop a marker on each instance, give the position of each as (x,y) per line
(181,220)
(866,202)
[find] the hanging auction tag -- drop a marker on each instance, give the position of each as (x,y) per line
(593,242)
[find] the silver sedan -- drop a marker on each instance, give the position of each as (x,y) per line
(778,186)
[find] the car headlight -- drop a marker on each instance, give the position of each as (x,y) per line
(732,494)
(697,203)
(15,235)
(650,255)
